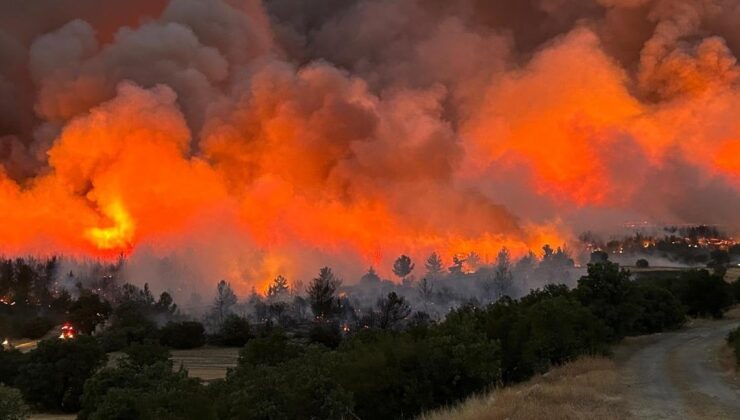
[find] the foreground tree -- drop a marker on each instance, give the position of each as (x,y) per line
(12,406)
(53,376)
(145,392)
(706,294)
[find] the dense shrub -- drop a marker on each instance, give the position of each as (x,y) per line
(390,374)
(119,337)
(706,294)
(396,375)
(148,392)
(53,375)
(555,331)
(326,333)
(183,335)
(10,362)
(148,353)
(660,310)
(642,263)
(304,387)
(12,406)
(610,295)
(234,332)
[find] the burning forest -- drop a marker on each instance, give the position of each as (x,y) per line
(249,139)
(440,159)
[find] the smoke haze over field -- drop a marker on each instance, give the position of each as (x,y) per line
(246,139)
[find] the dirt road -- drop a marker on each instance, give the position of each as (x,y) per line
(678,375)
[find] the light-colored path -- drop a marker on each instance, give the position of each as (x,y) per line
(678,375)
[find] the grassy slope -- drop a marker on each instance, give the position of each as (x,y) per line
(588,388)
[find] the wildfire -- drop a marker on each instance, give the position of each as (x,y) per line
(250,158)
(116,237)
(68,332)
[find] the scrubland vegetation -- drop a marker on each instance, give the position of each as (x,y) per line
(321,352)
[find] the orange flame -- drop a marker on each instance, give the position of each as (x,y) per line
(118,236)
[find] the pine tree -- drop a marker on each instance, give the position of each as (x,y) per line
(434,265)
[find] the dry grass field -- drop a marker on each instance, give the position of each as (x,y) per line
(587,389)
(206,363)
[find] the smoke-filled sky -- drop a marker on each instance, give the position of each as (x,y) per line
(248,138)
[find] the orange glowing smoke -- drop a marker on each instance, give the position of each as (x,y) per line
(196,134)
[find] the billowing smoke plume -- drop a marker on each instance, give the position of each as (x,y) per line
(252,138)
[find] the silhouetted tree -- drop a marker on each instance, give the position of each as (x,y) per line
(278,289)
(321,294)
(88,311)
(434,265)
(426,292)
(225,299)
(392,310)
(371,277)
(502,277)
(403,267)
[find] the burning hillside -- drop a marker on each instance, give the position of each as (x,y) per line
(249,138)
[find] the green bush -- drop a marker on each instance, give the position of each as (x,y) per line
(119,337)
(610,295)
(326,333)
(149,392)
(12,406)
(660,310)
(10,362)
(304,387)
(555,331)
(148,353)
(234,332)
(706,294)
(53,375)
(183,335)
